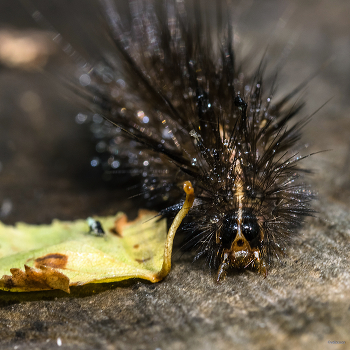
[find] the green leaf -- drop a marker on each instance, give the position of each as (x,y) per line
(65,254)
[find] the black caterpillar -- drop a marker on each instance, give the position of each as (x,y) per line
(174,88)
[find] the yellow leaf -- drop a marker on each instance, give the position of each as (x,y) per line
(66,254)
(68,247)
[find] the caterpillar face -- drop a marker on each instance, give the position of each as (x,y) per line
(241,239)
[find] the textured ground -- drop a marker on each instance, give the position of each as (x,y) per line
(303,303)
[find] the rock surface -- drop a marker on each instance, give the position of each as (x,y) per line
(303,303)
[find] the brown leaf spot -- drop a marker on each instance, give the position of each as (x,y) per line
(122,223)
(44,278)
(136,246)
(56,260)
(119,225)
(140,261)
(113,230)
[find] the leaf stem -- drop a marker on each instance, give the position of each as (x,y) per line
(188,188)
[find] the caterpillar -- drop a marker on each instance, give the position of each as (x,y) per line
(172,104)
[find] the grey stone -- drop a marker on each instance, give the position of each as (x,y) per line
(304,303)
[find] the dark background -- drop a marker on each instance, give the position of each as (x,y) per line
(45,173)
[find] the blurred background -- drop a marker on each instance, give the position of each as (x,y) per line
(46,153)
(46,173)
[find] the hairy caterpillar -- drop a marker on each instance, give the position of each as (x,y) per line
(182,109)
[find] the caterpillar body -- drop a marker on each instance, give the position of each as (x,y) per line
(182,109)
